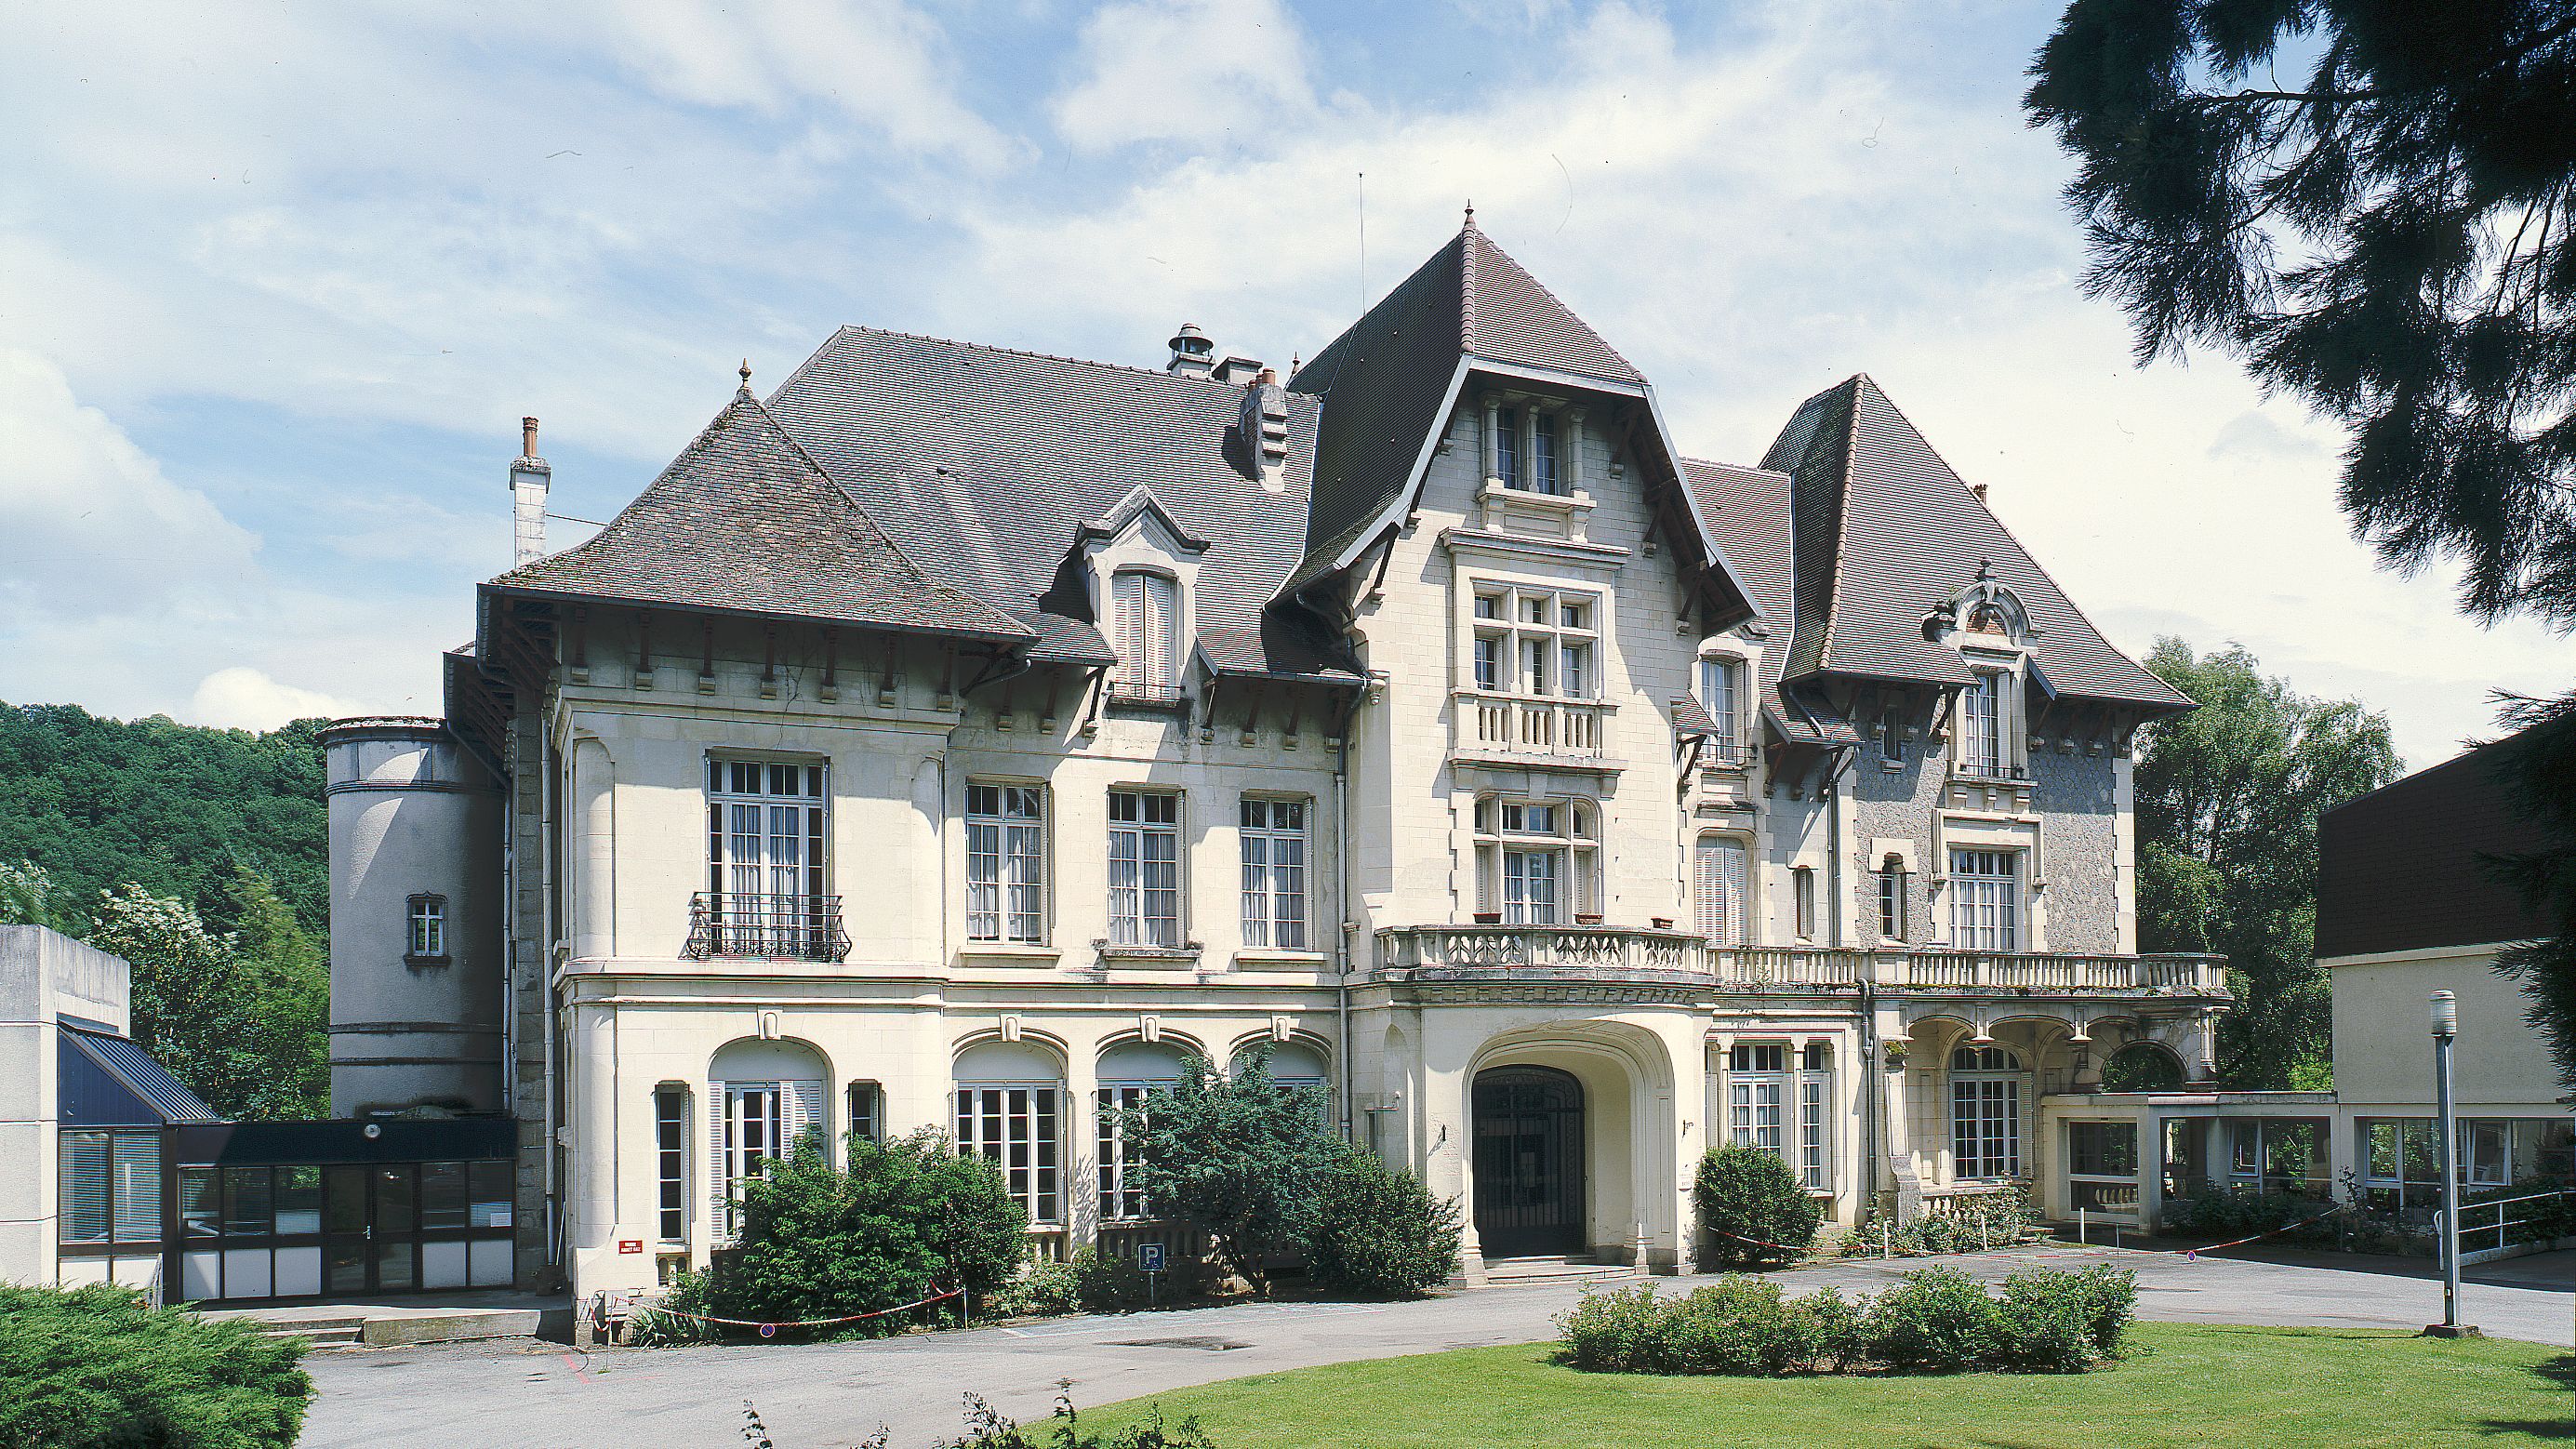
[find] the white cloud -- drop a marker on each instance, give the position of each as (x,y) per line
(242,698)
(92,525)
(1215,72)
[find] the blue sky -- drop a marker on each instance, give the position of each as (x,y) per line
(277,281)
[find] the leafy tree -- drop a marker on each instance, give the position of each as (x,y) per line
(26,895)
(2392,241)
(909,1216)
(92,1368)
(283,967)
(1377,1231)
(1241,1158)
(194,1006)
(1753,1207)
(2228,800)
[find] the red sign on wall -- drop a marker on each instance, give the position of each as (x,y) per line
(630,1245)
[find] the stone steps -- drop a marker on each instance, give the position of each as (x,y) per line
(1526,1272)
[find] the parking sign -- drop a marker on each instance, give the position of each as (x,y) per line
(1149,1257)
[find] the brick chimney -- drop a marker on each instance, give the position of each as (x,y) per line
(530,480)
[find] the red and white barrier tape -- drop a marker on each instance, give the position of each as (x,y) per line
(770,1330)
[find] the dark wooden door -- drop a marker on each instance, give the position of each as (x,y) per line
(1529,1162)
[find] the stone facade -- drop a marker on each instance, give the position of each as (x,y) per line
(1489,953)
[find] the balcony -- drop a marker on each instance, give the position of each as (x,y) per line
(1460,952)
(1521,730)
(1540,949)
(731,925)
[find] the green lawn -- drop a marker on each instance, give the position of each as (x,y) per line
(2179,1385)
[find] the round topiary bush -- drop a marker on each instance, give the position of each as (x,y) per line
(1753,1208)
(1376,1232)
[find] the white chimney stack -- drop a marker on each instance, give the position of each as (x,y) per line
(530,479)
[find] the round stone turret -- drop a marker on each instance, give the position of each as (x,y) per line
(416,967)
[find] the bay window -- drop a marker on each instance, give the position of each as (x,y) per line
(1536,860)
(1536,641)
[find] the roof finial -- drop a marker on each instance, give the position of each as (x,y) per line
(746,374)
(1471,213)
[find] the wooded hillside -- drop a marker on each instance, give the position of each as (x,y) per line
(178,810)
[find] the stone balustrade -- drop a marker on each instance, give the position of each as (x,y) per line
(1618,949)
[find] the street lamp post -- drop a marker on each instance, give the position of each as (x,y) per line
(2446,1027)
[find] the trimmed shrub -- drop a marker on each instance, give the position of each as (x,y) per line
(2232,1212)
(2110,1305)
(1619,1332)
(1748,1193)
(1737,1325)
(1834,1330)
(1933,1321)
(2044,1324)
(1378,1232)
(92,1368)
(909,1216)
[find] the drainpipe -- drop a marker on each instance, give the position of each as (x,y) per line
(1342,901)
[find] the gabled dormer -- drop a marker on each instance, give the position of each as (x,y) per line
(1141,570)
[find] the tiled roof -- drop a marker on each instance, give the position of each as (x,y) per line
(1884,532)
(1384,379)
(743,521)
(986,465)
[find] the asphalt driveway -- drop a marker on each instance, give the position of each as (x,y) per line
(527,1394)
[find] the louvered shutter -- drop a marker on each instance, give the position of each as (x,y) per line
(1163,627)
(802,1111)
(719,1134)
(1717,880)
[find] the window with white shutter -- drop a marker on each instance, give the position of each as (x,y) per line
(1145,619)
(1718,875)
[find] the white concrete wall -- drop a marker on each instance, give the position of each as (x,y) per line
(44,976)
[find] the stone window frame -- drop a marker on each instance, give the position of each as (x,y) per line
(1574,839)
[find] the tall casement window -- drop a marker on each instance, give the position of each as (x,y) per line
(1891,898)
(1721,693)
(1145,620)
(671,1162)
(1981,737)
(762,1098)
(867,1111)
(1130,1074)
(1006,863)
(110,1188)
(1802,899)
(1538,642)
(1144,868)
(1543,470)
(1507,447)
(765,859)
(1891,737)
(1718,875)
(1985,1113)
(1815,1164)
(1536,861)
(1274,873)
(427,933)
(1757,1088)
(1010,1111)
(1985,900)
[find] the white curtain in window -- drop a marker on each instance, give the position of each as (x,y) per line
(1985,903)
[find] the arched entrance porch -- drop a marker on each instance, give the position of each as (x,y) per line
(1529,1162)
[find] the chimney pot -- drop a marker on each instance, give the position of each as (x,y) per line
(527,437)
(1269,377)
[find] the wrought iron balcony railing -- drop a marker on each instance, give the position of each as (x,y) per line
(771,927)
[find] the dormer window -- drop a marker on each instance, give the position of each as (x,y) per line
(1981,725)
(1145,625)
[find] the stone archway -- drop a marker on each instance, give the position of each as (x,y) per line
(1529,1162)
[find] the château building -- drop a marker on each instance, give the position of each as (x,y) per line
(961,738)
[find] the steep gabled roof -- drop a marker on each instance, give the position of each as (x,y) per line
(744,522)
(986,464)
(1884,532)
(1386,380)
